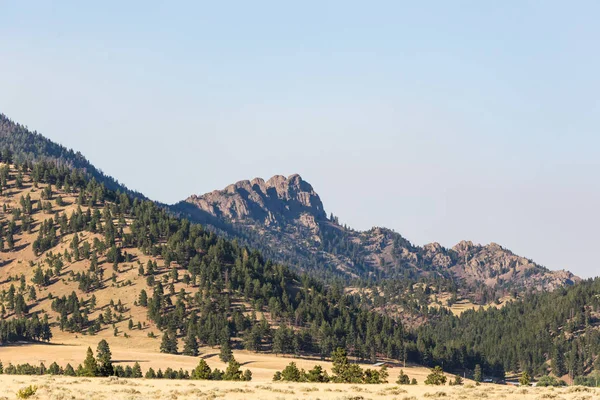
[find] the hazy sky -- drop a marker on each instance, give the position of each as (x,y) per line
(443,120)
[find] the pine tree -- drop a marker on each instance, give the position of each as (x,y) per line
(233,372)
(524,379)
(90,366)
(558,362)
(69,371)
(169,343)
(136,371)
(202,370)
(143,300)
(436,377)
(103,356)
(477,376)
(150,374)
(190,344)
(225,354)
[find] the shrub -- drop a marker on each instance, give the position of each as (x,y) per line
(26,392)
(317,375)
(403,379)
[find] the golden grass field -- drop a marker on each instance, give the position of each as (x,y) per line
(69,349)
(49,387)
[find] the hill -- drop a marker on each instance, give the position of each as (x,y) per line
(548,332)
(83,259)
(285,218)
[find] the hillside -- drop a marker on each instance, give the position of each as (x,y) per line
(549,332)
(285,218)
(25,146)
(82,259)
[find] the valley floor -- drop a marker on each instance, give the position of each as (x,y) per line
(60,387)
(69,349)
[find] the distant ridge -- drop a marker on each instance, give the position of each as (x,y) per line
(285,218)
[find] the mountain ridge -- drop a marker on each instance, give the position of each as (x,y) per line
(289,215)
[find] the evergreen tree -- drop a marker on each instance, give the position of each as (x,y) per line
(558,362)
(169,343)
(103,357)
(477,375)
(524,379)
(190,344)
(436,377)
(225,354)
(291,373)
(136,371)
(90,366)
(202,371)
(69,371)
(150,374)
(233,372)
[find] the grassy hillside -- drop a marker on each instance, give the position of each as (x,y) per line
(93,260)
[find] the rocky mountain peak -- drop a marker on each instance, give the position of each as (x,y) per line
(275,200)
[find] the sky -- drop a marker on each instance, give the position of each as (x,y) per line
(441,120)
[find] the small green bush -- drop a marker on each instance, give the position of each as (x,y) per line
(26,392)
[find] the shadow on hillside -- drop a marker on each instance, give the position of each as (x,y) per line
(207,356)
(19,247)
(128,361)
(22,344)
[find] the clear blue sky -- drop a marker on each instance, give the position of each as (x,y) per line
(442,120)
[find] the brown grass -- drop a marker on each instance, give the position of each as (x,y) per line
(49,387)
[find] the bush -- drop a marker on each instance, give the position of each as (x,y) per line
(548,380)
(403,379)
(458,380)
(26,392)
(317,375)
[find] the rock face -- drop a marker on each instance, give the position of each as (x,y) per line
(279,200)
(286,220)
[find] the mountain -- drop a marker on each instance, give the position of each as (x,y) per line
(286,219)
(78,258)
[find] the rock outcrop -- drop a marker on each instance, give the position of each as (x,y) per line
(276,201)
